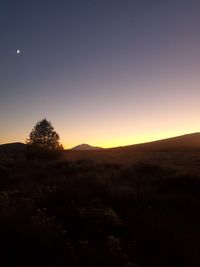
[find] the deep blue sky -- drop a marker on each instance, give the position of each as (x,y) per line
(105,72)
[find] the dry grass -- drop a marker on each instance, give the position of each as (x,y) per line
(182,161)
(101,208)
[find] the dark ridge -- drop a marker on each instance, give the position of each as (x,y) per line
(187,142)
(12,147)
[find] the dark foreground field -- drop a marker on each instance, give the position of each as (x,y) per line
(101,209)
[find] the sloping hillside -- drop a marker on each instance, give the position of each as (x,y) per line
(188,142)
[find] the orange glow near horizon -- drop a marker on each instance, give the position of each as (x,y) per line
(116,141)
(112,128)
(127,141)
(120,75)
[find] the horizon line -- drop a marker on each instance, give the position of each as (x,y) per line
(154,140)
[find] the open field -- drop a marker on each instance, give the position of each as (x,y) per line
(101,208)
(181,161)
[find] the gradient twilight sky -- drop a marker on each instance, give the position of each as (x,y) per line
(104,72)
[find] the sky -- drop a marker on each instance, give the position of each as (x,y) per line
(104,72)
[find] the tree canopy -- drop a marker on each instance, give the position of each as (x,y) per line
(43,141)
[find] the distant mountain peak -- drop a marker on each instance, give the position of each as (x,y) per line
(86,147)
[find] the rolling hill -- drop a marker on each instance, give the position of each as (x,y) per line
(12,147)
(187,142)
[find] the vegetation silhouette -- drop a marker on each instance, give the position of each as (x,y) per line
(43,142)
(101,208)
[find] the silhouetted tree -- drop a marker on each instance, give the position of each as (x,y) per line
(43,142)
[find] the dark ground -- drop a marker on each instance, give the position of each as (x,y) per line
(101,209)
